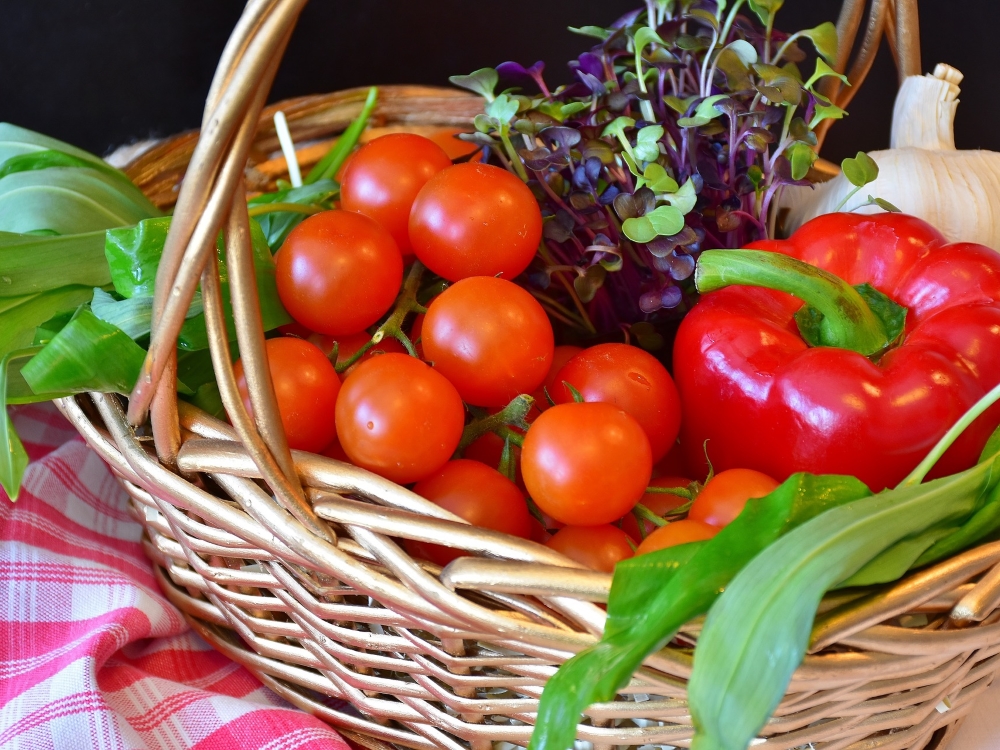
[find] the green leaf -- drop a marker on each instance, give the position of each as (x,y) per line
(596,32)
(653,595)
(645,36)
(647,142)
(15,141)
(482,82)
(757,632)
(684,198)
(69,200)
(704,112)
(134,253)
(13,457)
(822,71)
(884,205)
(276,225)
(679,105)
(31,264)
(51,158)
(705,17)
(860,170)
(326,168)
(801,156)
(825,112)
(18,324)
(756,175)
(502,109)
(209,400)
(87,355)
(765,8)
(824,39)
(618,126)
(639,229)
(991,448)
(666,220)
(743,50)
(655,177)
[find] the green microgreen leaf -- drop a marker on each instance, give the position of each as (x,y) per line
(704,112)
(765,9)
(684,198)
(822,71)
(679,105)
(482,82)
(824,39)
(645,36)
(825,112)
(655,177)
(744,51)
(860,170)
(587,284)
(884,205)
(705,17)
(647,142)
(756,175)
(502,109)
(595,32)
(801,156)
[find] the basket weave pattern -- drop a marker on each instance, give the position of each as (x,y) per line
(289,562)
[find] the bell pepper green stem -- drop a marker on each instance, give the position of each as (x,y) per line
(848,321)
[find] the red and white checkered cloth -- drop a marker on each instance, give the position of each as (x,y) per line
(91,653)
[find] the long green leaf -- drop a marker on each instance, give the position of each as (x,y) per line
(30,264)
(327,167)
(757,632)
(277,224)
(653,595)
(18,324)
(13,457)
(86,355)
(46,159)
(15,140)
(69,201)
(134,315)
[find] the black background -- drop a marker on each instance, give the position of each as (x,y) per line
(99,73)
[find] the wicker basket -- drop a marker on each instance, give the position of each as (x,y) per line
(287,562)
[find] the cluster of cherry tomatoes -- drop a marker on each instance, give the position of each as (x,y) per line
(602,417)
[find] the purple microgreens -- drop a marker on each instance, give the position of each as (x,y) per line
(676,132)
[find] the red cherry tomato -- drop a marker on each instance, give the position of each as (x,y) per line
(660,503)
(631,379)
(479,494)
(385,176)
(490,338)
(349,344)
(399,418)
(335,450)
(338,272)
(673,534)
(587,463)
(474,219)
(560,356)
(598,547)
(723,497)
(306,388)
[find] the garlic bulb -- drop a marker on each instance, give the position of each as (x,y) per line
(922,173)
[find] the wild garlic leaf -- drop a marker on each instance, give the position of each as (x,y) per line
(33,264)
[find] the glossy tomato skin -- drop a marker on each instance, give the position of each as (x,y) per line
(399,418)
(725,495)
(660,503)
(349,344)
(338,272)
(306,388)
(385,176)
(586,463)
(598,547)
(477,493)
(678,532)
(490,338)
(475,219)
(631,379)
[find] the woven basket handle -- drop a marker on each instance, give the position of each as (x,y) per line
(212,199)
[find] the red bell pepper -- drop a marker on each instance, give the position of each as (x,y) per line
(859,399)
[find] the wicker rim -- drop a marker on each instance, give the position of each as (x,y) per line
(323,534)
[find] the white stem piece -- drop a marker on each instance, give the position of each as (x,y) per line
(287,148)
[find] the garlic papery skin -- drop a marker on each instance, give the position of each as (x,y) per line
(922,173)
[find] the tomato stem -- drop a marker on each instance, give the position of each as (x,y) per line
(848,322)
(513,414)
(393,326)
(679,491)
(642,513)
